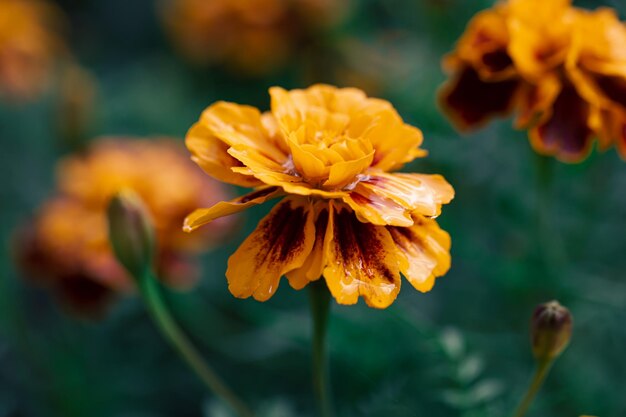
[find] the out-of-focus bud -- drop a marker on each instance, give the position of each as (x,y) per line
(131,232)
(551,330)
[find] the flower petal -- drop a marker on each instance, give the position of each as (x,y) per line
(281,243)
(372,208)
(419,193)
(395,142)
(211,154)
(360,260)
(566,133)
(271,173)
(200,217)
(313,267)
(471,102)
(243,126)
(536,101)
(345,172)
(426,249)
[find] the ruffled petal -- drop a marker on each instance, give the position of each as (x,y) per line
(281,243)
(566,133)
(313,267)
(202,216)
(370,207)
(395,142)
(360,260)
(270,173)
(536,100)
(470,102)
(426,252)
(211,154)
(418,193)
(243,126)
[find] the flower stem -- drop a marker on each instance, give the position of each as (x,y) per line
(320,305)
(541,372)
(173,333)
(548,238)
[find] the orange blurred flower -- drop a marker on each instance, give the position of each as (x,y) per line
(328,152)
(561,69)
(29,47)
(253,36)
(67,246)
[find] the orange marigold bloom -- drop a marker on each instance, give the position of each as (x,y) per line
(29,47)
(67,246)
(328,152)
(253,36)
(560,68)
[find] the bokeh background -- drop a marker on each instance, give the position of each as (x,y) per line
(460,350)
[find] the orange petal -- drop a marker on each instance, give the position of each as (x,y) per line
(395,142)
(210,153)
(360,260)
(271,173)
(426,249)
(418,193)
(343,173)
(281,243)
(203,216)
(313,267)
(536,101)
(242,126)
(372,208)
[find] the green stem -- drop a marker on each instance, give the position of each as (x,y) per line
(178,339)
(550,243)
(541,372)
(320,305)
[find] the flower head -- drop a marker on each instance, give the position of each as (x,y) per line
(560,68)
(252,36)
(68,241)
(328,152)
(29,47)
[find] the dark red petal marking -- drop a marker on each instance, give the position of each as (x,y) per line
(472,101)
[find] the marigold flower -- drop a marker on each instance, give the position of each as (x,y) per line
(252,36)
(67,245)
(29,47)
(560,68)
(328,152)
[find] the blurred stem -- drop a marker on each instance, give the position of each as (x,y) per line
(320,306)
(167,325)
(550,244)
(541,372)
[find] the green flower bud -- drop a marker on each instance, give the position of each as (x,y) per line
(551,330)
(131,232)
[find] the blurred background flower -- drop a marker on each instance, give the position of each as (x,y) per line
(251,36)
(31,47)
(561,69)
(66,247)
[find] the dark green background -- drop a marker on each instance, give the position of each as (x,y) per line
(460,350)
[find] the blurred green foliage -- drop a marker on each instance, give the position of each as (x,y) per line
(460,350)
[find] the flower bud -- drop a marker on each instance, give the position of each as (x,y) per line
(551,330)
(130,232)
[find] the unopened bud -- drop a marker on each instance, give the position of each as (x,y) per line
(551,330)
(131,232)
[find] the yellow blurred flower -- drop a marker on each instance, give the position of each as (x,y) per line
(561,69)
(252,36)
(29,47)
(68,246)
(328,152)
